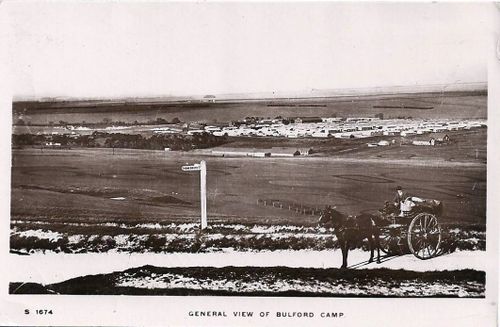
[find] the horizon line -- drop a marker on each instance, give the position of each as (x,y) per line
(274,95)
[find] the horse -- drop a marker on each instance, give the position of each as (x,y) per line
(351,229)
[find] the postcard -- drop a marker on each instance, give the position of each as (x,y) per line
(237,164)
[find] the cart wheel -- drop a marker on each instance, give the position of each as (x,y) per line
(424,236)
(391,241)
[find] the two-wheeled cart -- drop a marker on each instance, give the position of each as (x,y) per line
(415,231)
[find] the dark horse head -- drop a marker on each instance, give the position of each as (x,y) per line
(331,218)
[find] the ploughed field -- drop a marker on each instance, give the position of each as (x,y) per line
(133,186)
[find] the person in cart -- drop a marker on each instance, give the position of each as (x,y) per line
(403,202)
(399,198)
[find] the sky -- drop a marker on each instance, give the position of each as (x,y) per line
(146,49)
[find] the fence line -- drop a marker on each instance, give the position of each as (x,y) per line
(298,208)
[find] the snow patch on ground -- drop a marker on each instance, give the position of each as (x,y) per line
(41,234)
(370,287)
(74,239)
(192,227)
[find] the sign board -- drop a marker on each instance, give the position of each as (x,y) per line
(194,167)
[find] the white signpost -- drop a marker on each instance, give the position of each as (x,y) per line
(202,168)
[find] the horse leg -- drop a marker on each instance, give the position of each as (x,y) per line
(345,248)
(370,244)
(377,244)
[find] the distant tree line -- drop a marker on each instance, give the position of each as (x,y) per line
(104,123)
(118,140)
(21,140)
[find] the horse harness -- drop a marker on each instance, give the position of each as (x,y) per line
(352,220)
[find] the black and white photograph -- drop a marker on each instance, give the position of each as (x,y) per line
(330,152)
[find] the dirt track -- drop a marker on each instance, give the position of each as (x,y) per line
(38,267)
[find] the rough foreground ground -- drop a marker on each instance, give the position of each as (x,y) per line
(269,281)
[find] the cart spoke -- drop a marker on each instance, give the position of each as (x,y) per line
(434,250)
(433,225)
(419,243)
(420,246)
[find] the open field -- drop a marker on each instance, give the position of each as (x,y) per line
(135,185)
(458,105)
(148,186)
